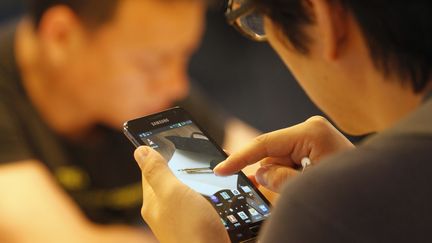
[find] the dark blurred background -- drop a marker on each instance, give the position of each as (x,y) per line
(246,78)
(10,8)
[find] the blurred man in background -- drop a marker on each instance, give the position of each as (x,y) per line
(71,73)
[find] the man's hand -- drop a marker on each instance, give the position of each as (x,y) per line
(281,152)
(174,212)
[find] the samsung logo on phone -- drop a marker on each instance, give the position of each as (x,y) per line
(160,122)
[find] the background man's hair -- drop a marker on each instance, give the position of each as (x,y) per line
(91,12)
(398,32)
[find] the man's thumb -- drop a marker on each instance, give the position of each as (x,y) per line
(273,177)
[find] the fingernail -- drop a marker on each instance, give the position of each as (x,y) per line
(218,167)
(143,152)
(261,175)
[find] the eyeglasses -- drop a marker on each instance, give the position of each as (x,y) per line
(244,17)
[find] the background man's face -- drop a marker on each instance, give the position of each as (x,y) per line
(137,63)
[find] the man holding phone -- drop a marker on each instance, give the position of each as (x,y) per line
(368,65)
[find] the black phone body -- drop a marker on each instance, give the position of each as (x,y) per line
(192,155)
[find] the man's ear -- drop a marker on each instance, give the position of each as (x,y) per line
(331,22)
(60,33)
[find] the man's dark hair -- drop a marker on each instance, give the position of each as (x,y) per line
(92,12)
(398,32)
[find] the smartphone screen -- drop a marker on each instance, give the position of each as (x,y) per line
(191,156)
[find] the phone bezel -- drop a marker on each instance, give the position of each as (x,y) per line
(175,115)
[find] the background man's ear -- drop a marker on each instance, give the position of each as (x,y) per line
(60,32)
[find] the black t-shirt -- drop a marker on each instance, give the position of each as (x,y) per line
(379,192)
(99,173)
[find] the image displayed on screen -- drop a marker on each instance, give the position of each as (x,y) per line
(192,157)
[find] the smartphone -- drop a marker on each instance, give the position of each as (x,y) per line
(191,155)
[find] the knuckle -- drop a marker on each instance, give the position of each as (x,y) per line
(149,208)
(263,142)
(260,138)
(318,121)
(144,212)
(319,125)
(151,169)
(150,211)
